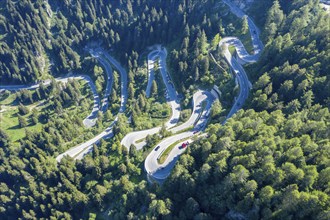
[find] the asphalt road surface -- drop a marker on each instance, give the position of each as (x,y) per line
(158,171)
(199,118)
(109,78)
(136,138)
(79,151)
(243,56)
(197,121)
(123,79)
(89,121)
(200,114)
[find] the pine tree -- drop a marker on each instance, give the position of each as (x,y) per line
(203,42)
(245,25)
(154,89)
(196,74)
(34,116)
(273,21)
(22,121)
(23,110)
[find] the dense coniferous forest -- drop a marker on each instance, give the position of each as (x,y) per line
(42,36)
(298,48)
(270,161)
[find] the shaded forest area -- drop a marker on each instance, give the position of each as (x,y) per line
(41,37)
(270,161)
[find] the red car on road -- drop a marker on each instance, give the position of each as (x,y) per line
(184,145)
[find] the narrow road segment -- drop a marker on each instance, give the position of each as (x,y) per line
(89,121)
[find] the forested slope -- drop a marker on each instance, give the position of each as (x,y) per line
(270,161)
(48,37)
(259,165)
(293,72)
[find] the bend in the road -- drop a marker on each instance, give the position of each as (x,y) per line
(160,55)
(89,121)
(79,151)
(159,172)
(242,55)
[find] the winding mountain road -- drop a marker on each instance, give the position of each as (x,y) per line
(202,101)
(198,119)
(158,172)
(89,121)
(136,138)
(242,57)
(196,122)
(108,71)
(106,60)
(123,79)
(79,151)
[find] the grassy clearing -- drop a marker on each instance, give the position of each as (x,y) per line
(9,123)
(9,118)
(7,98)
(168,150)
(9,115)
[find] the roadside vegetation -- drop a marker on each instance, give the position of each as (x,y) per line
(15,124)
(27,113)
(168,150)
(153,111)
(270,161)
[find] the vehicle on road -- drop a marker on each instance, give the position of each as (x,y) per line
(184,145)
(237,71)
(157,148)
